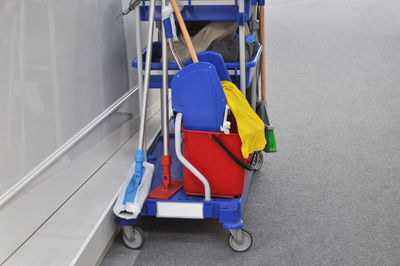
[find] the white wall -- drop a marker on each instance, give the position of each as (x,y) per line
(61,64)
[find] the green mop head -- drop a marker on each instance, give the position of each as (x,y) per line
(270,137)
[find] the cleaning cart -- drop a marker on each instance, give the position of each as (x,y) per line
(218,185)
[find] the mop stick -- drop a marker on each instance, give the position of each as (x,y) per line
(262,108)
(169,186)
(185,32)
(140,156)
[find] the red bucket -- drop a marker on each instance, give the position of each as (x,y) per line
(226,178)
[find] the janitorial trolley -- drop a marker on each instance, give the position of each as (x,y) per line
(209,175)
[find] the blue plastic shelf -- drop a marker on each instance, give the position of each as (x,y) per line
(227,211)
(206,12)
(156,79)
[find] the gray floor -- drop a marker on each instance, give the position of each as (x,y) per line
(331,195)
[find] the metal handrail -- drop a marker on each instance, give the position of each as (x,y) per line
(15,189)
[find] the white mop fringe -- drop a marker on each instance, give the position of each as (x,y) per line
(132,209)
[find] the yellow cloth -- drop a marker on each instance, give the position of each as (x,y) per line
(250,126)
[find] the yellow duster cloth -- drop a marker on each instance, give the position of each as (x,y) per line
(250,126)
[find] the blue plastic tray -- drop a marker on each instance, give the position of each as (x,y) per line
(227,211)
(233,68)
(206,12)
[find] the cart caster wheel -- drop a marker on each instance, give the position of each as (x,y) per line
(133,237)
(259,160)
(244,244)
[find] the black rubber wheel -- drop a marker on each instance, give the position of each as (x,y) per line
(138,238)
(258,160)
(247,241)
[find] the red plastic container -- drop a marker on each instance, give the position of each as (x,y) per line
(226,178)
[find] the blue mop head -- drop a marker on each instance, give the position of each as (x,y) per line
(133,192)
(133,186)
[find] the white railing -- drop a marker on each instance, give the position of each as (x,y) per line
(15,189)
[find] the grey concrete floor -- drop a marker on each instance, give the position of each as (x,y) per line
(331,195)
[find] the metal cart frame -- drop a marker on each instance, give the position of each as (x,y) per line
(180,205)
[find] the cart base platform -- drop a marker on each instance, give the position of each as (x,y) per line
(181,205)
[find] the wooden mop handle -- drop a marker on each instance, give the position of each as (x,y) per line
(184,30)
(263,73)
